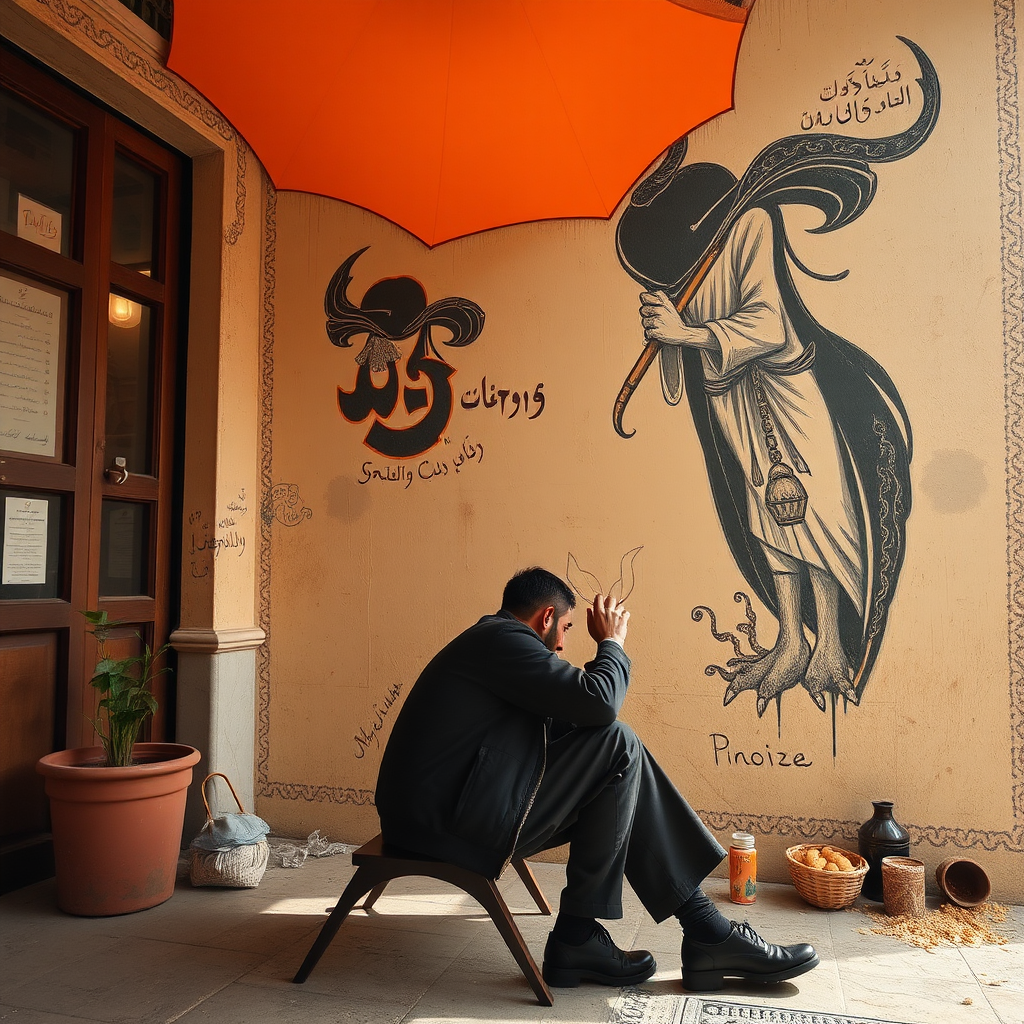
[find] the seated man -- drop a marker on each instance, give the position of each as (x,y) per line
(503,749)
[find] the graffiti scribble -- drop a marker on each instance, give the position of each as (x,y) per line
(587,586)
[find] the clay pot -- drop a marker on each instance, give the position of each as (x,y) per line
(903,886)
(963,881)
(116,831)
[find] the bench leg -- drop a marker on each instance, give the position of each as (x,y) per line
(365,879)
(375,894)
(485,892)
(530,881)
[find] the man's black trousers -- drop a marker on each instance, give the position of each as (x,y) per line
(605,795)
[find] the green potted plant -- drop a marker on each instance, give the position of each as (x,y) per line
(128,697)
(117,809)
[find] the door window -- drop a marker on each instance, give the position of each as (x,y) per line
(36,174)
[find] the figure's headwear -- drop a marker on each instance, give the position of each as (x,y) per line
(662,238)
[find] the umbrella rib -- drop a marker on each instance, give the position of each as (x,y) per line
(444,122)
(569,121)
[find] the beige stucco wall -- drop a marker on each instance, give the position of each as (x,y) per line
(357,581)
(366,578)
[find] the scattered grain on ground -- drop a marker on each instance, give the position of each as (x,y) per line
(949,925)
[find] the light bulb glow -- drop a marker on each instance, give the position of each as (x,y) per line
(123,312)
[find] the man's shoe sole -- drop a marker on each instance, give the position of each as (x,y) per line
(570,977)
(709,981)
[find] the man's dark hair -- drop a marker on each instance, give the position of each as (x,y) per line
(535,588)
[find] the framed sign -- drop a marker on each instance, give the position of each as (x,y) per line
(32,328)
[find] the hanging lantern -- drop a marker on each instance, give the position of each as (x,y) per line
(122,312)
(785,496)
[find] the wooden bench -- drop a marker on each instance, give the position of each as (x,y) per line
(377,864)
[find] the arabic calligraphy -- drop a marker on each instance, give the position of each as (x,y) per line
(854,99)
(405,474)
(208,541)
(508,403)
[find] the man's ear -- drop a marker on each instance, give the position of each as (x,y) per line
(548,617)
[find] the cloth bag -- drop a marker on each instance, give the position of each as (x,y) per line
(231,849)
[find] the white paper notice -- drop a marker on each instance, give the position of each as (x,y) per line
(38,223)
(29,350)
(24,541)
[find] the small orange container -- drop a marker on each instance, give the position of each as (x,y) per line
(742,868)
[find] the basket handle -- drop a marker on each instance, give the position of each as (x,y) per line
(206,803)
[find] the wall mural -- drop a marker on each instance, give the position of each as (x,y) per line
(393,310)
(806,439)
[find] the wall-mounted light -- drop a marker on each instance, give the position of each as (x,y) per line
(123,312)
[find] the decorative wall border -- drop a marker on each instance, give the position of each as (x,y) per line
(263,786)
(1011,239)
(171,86)
(1011,226)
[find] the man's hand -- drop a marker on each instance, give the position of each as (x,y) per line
(661,322)
(607,620)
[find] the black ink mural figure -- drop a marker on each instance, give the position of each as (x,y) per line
(806,439)
(393,310)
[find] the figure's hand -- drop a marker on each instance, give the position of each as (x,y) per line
(661,322)
(607,619)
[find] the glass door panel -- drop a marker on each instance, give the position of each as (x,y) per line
(129,416)
(36,175)
(124,549)
(134,215)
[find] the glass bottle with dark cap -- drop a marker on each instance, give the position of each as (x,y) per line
(880,836)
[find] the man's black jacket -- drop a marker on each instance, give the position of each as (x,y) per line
(466,754)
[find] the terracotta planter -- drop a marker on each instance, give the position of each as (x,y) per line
(117,831)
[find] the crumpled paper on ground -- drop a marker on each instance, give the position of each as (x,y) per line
(284,853)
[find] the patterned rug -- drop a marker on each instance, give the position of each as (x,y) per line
(641,1006)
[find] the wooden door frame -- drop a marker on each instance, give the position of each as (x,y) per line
(87,275)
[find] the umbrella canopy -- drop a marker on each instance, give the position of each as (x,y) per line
(450,117)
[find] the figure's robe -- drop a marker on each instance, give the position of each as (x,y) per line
(840,424)
(739,302)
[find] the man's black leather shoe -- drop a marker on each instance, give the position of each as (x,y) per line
(598,959)
(744,954)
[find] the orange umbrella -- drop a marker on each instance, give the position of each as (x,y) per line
(454,116)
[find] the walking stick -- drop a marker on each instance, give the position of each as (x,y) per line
(652,348)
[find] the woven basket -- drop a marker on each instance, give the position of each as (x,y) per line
(830,890)
(240,868)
